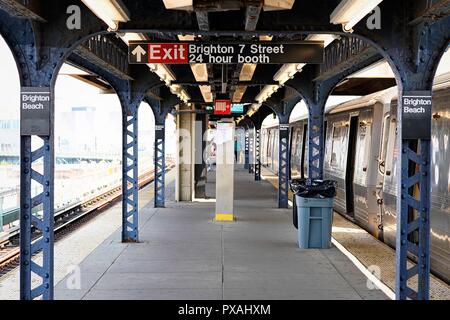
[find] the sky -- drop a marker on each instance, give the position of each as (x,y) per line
(69,93)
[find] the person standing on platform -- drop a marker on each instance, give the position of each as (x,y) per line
(237,149)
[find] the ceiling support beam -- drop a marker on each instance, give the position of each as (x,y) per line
(434,12)
(219,83)
(202,20)
(252,16)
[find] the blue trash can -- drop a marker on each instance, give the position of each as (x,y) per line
(315,221)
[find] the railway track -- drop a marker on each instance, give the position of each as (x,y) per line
(66,221)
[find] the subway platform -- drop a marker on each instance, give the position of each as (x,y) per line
(183,254)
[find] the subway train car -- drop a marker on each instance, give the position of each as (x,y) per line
(360,154)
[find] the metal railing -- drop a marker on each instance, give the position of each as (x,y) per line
(106,49)
(341,51)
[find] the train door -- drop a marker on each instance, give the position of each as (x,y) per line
(304,164)
(350,171)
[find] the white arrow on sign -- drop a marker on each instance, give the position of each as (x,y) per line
(139,52)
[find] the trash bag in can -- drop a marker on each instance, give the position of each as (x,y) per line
(308,188)
(311,188)
(313,212)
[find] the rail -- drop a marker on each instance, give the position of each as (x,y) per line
(9,247)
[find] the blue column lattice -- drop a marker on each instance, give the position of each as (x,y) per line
(258,155)
(37,216)
(160,167)
(130,186)
(283,166)
(316,143)
(247,162)
(414,217)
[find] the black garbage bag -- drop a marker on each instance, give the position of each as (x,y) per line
(313,188)
(308,188)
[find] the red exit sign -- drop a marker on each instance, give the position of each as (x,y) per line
(222,107)
(166,53)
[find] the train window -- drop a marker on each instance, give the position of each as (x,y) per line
(363,149)
(337,144)
(384,142)
(296,148)
(392,137)
(305,152)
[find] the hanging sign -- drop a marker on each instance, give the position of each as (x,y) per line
(159,131)
(35,111)
(416,115)
(237,108)
(225,53)
(222,107)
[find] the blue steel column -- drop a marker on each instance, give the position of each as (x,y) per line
(36,213)
(130,187)
(283,165)
(406,204)
(316,142)
(247,160)
(258,155)
(160,166)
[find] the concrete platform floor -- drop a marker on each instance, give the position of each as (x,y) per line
(184,255)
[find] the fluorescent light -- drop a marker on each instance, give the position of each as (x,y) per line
(179,4)
(265,38)
(349,12)
(286,72)
(180,92)
(127,37)
(110,11)
(271,5)
(266,92)
(247,71)
(326,38)
(206,93)
(239,93)
(188,37)
(200,72)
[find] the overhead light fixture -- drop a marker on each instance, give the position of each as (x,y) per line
(266,92)
(188,37)
(112,12)
(247,71)
(265,38)
(326,38)
(239,93)
(271,5)
(206,93)
(132,36)
(200,71)
(179,4)
(349,12)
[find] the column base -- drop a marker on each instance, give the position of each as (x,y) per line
(224,217)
